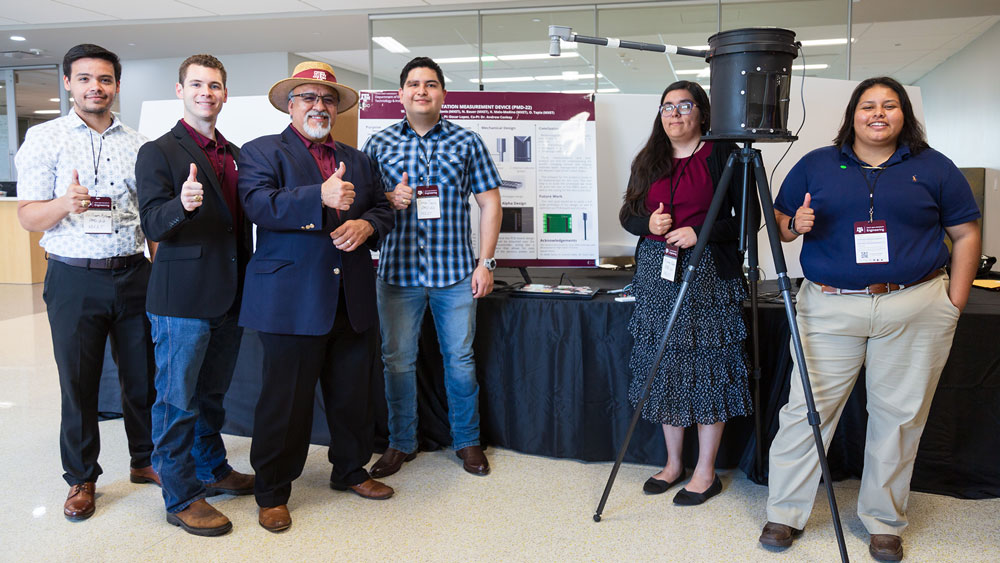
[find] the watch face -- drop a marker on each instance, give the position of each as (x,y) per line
(490,264)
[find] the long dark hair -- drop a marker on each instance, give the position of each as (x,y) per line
(655,160)
(912,134)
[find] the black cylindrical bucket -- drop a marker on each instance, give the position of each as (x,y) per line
(751,79)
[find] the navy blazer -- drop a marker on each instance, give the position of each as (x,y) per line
(295,275)
(199,264)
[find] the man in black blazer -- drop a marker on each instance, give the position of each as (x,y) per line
(187,187)
(310,290)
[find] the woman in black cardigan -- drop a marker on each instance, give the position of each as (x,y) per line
(703,376)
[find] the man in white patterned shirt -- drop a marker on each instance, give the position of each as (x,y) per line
(76,183)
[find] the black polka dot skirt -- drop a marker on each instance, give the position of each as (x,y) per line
(703,376)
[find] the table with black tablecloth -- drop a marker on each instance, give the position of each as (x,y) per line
(554,377)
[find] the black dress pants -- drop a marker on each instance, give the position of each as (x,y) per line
(85,307)
(341,361)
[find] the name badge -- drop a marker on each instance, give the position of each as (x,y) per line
(668,270)
(97,217)
(871,242)
(428,202)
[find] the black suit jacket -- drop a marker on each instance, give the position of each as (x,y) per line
(295,276)
(199,265)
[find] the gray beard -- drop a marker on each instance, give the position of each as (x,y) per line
(315,132)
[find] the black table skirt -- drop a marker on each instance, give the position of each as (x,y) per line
(554,377)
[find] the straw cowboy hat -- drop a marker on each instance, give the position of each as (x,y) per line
(311,72)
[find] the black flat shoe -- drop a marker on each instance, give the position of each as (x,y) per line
(687,498)
(654,486)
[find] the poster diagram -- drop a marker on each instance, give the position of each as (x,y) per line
(543,145)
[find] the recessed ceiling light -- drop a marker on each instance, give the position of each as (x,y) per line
(390,44)
(46,111)
(16,38)
(56,100)
(536,20)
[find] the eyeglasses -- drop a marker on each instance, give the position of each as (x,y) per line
(682,108)
(309,98)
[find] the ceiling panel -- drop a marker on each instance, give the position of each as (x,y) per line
(123,10)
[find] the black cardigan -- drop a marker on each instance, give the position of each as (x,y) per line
(726,231)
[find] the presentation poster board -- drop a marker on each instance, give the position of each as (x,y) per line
(543,145)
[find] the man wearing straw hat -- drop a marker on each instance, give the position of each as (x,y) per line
(310,290)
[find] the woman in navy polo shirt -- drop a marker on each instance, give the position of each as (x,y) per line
(872,211)
(703,377)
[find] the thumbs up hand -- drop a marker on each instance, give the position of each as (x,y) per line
(805,216)
(192,193)
(402,195)
(660,222)
(77,197)
(335,192)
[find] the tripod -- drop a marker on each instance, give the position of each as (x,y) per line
(748,157)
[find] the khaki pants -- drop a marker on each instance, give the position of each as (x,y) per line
(903,340)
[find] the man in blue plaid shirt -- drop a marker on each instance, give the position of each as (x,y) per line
(429,167)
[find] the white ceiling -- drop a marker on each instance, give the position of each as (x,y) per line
(902,38)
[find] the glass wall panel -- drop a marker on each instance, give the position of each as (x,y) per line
(439,37)
(686,24)
(907,44)
(821,25)
(516,53)
(6,147)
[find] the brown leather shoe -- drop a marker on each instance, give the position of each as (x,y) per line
(370,489)
(474,460)
(201,519)
(144,475)
(390,462)
(235,483)
(778,535)
(275,519)
(886,547)
(80,502)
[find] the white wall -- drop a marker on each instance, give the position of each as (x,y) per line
(962,97)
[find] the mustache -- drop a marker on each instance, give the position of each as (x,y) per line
(318,113)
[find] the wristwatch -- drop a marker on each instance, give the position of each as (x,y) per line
(791,226)
(490,263)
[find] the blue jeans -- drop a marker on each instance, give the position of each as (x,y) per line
(195,359)
(401,312)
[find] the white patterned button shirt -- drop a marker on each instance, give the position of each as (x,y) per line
(105,163)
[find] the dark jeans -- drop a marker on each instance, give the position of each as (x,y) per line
(85,307)
(341,361)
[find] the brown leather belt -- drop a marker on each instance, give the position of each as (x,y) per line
(113,263)
(880,288)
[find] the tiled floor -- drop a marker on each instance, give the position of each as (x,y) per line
(528,509)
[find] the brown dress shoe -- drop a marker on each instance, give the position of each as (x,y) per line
(275,519)
(474,460)
(370,489)
(778,535)
(886,547)
(390,462)
(235,483)
(80,502)
(201,519)
(144,475)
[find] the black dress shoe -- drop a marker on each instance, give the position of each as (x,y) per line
(390,462)
(687,498)
(654,486)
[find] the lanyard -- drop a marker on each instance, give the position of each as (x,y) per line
(871,187)
(675,185)
(96,155)
(428,160)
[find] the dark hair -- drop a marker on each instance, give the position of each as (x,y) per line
(89,51)
(207,61)
(421,62)
(655,160)
(912,134)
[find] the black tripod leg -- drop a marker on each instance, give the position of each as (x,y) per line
(699,248)
(800,361)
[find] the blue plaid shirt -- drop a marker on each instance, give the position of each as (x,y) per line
(431,252)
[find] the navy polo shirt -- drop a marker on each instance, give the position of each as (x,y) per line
(916,195)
